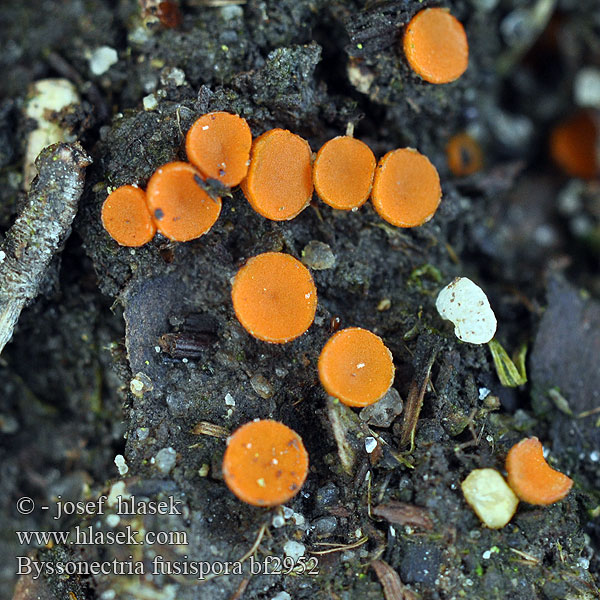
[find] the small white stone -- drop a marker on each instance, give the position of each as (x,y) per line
(113,520)
(2,256)
(370,444)
(121,464)
(278,521)
(117,490)
(229,401)
(282,596)
(586,87)
(490,497)
(150,102)
(486,555)
(294,550)
(299,519)
(102,59)
(165,460)
(466,305)
(483,393)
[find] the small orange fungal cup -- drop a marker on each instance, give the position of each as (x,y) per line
(436,46)
(530,476)
(265,463)
(343,172)
(406,190)
(218,145)
(279,183)
(126,217)
(274,297)
(464,155)
(181,209)
(574,146)
(356,367)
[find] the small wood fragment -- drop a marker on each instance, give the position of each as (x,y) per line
(40,230)
(402,513)
(393,588)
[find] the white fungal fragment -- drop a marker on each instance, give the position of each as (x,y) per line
(489,496)
(466,305)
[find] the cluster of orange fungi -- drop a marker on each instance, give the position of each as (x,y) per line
(274,295)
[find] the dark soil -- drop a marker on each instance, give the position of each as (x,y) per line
(66,405)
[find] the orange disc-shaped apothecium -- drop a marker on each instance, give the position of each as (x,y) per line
(574,146)
(343,172)
(218,145)
(464,155)
(406,191)
(435,45)
(182,210)
(126,217)
(274,297)
(265,463)
(530,476)
(356,367)
(279,183)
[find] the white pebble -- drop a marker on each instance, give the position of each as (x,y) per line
(165,460)
(586,87)
(229,401)
(113,520)
(466,305)
(282,596)
(121,464)
(150,102)
(370,444)
(102,59)
(489,496)
(294,550)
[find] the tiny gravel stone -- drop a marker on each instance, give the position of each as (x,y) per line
(325,525)
(466,305)
(586,87)
(121,464)
(327,495)
(294,550)
(229,401)
(140,384)
(261,386)
(370,444)
(318,256)
(278,521)
(282,596)
(165,460)
(384,411)
(172,76)
(102,59)
(113,520)
(150,102)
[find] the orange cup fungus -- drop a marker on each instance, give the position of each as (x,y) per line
(435,45)
(126,217)
(274,297)
(279,183)
(343,172)
(406,191)
(181,209)
(265,463)
(356,367)
(574,146)
(218,145)
(464,155)
(530,476)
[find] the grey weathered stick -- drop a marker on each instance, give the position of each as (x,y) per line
(40,229)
